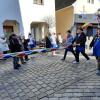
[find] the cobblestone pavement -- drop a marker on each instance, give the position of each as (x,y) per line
(48,78)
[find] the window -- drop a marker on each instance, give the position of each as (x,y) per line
(80,16)
(39,2)
(90,1)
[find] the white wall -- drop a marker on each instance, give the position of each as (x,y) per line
(88,7)
(9,10)
(35,13)
(25,12)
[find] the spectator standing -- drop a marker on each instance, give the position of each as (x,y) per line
(47,40)
(3,44)
(59,39)
(31,43)
(15,46)
(25,44)
(53,39)
(20,38)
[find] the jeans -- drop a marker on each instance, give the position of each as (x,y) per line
(82,52)
(15,62)
(98,62)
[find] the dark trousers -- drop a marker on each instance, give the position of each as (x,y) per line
(26,57)
(98,62)
(22,59)
(4,52)
(83,53)
(15,62)
(66,51)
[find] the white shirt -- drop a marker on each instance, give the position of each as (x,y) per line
(3,45)
(59,38)
(53,39)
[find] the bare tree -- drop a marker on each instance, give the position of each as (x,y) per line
(50,20)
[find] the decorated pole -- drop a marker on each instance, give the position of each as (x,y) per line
(30,52)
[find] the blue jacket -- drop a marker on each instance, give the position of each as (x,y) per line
(96,48)
(69,40)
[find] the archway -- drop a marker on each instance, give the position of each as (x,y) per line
(10,26)
(39,30)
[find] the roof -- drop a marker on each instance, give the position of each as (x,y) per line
(59,4)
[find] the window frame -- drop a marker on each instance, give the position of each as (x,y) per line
(38,2)
(90,1)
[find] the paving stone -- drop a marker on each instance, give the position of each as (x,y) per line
(57,95)
(6,98)
(17,98)
(89,94)
(18,91)
(45,98)
(25,97)
(44,85)
(85,98)
(37,92)
(50,92)
(21,94)
(64,98)
(68,94)
(96,98)
(77,94)
(30,94)
(31,87)
(4,95)
(26,90)
(47,77)
(13,95)
(74,98)
(11,91)
(97,94)
(42,90)
(53,98)
(34,98)
(40,82)
(41,95)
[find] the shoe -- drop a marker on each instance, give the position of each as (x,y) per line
(18,65)
(87,60)
(24,62)
(75,62)
(98,72)
(16,68)
(27,59)
(63,59)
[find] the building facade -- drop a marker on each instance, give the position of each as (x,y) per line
(86,6)
(85,12)
(85,15)
(27,16)
(64,16)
